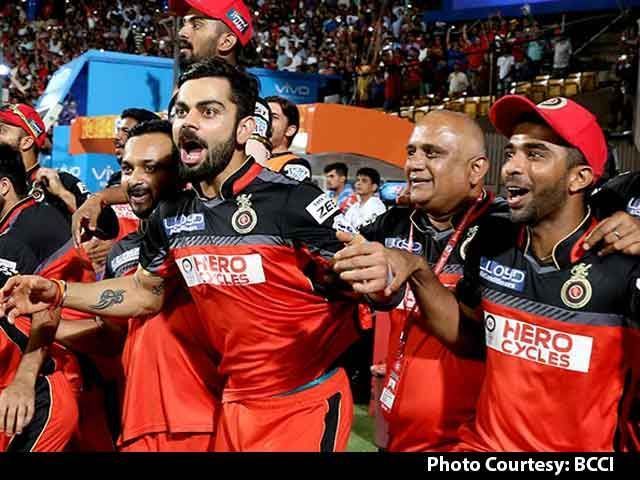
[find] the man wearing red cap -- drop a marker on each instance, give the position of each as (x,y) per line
(212,28)
(560,321)
(22,129)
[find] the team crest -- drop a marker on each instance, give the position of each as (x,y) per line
(245,219)
(555,103)
(37,192)
(576,292)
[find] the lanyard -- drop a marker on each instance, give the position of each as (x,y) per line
(440,264)
(389,392)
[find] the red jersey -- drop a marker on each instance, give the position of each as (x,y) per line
(164,360)
(255,262)
(563,347)
(437,390)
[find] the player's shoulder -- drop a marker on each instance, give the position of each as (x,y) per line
(124,255)
(44,219)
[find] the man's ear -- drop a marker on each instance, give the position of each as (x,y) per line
(580,178)
(291,131)
(26,143)
(246,127)
(226,43)
(478,168)
(5,186)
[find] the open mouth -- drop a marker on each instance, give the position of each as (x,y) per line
(139,195)
(192,151)
(516,195)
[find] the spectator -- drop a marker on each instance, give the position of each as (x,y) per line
(535,51)
(562,51)
(336,181)
(506,63)
(458,81)
(369,205)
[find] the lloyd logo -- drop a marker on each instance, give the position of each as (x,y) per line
(288,89)
(403,244)
(633,207)
(184,223)
(493,272)
(222,270)
(538,344)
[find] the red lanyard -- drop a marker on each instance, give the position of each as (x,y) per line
(440,264)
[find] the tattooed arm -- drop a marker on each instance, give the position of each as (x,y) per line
(132,296)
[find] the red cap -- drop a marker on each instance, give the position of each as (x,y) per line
(27,119)
(234,13)
(574,123)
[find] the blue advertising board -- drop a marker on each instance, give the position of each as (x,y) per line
(456,10)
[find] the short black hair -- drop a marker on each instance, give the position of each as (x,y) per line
(339,167)
(12,167)
(157,126)
(244,86)
(290,111)
(139,114)
(372,173)
(153,126)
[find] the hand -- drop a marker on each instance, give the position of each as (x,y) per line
(97,251)
(619,233)
(85,218)
(50,179)
(26,294)
(17,406)
(378,370)
(371,268)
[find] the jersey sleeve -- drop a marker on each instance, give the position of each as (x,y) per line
(74,185)
(310,218)
(154,250)
(375,231)
(633,294)
(297,169)
(15,259)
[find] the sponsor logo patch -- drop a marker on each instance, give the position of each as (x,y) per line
(296,172)
(127,257)
(184,223)
(222,270)
(403,244)
(238,20)
(538,344)
(322,208)
(507,277)
(8,268)
(633,207)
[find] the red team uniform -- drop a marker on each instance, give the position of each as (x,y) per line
(254,261)
(562,346)
(36,239)
(437,390)
(166,371)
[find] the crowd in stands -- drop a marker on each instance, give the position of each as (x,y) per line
(385,56)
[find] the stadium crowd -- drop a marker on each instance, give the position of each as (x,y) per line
(218,315)
(384,57)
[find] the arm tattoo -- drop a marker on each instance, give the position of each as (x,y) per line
(109,298)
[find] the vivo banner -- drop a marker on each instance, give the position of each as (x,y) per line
(297,87)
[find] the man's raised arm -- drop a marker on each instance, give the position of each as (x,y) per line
(131,296)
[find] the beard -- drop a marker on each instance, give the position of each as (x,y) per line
(218,157)
(546,201)
(189,57)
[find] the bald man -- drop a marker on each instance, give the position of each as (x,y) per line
(429,390)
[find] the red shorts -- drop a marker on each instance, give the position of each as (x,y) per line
(317,419)
(55,419)
(170,442)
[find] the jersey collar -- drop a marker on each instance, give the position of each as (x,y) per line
(569,249)
(14,213)
(240,179)
(31,173)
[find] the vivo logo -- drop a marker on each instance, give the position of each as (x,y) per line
(288,89)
